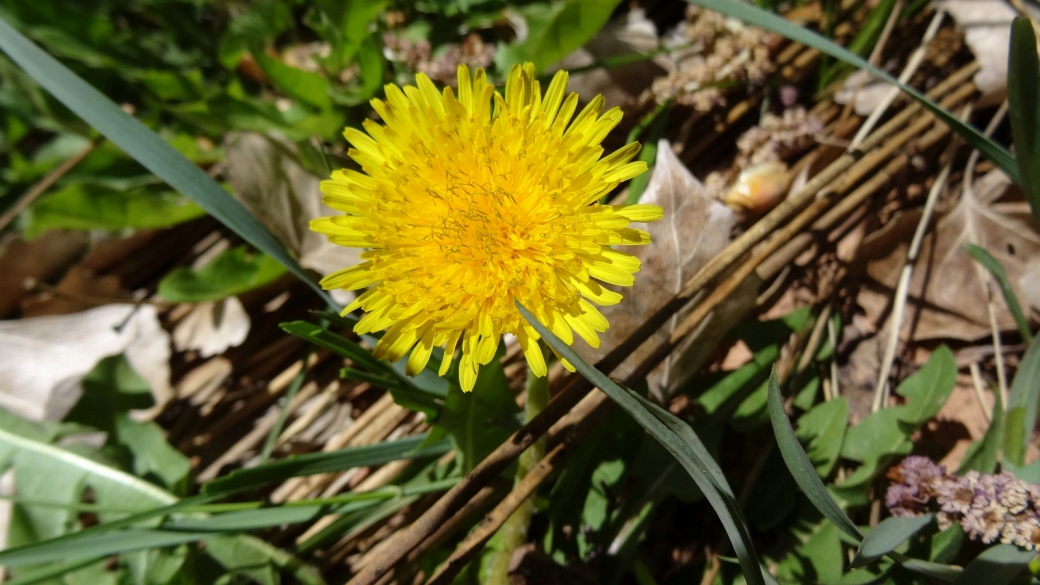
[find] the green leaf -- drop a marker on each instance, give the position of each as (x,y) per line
(249,556)
(927,390)
(306,86)
(554,29)
(801,468)
(990,263)
(877,435)
(983,455)
(86,207)
(233,272)
(886,536)
(823,429)
(946,544)
(680,440)
(312,463)
(771,22)
(145,147)
(817,560)
(996,565)
(1022,404)
(480,420)
(1024,109)
(346,26)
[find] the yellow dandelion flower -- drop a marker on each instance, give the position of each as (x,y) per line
(468,203)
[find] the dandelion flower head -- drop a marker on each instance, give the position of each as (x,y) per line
(470,202)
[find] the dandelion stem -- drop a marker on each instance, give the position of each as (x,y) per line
(514,531)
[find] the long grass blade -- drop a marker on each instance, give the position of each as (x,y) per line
(718,494)
(146,147)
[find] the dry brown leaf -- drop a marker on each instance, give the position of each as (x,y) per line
(80,289)
(212,327)
(694,229)
(43,359)
(40,259)
(947,297)
(267,177)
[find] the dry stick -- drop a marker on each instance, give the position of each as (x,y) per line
(833,337)
(491,523)
(980,394)
(908,71)
(43,184)
(881,392)
(406,540)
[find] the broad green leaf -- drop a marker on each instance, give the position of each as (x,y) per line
(249,556)
(886,536)
(801,468)
(233,272)
(739,381)
(306,86)
(997,565)
(757,17)
(946,544)
(312,463)
(480,420)
(1022,404)
(1024,109)
(993,266)
(880,433)
(261,22)
(817,560)
(983,455)
(554,29)
(86,207)
(146,147)
(680,440)
(823,430)
(346,26)
(927,390)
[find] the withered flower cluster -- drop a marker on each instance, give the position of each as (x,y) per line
(990,507)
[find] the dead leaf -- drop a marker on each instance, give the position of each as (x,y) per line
(80,289)
(43,359)
(947,298)
(266,175)
(212,327)
(694,229)
(41,259)
(987,30)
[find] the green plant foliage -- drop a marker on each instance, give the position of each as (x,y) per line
(997,565)
(554,29)
(480,420)
(1023,398)
(233,272)
(145,146)
(886,536)
(324,462)
(822,431)
(983,455)
(993,266)
(86,207)
(817,560)
(680,440)
(1024,109)
(110,391)
(306,86)
(886,433)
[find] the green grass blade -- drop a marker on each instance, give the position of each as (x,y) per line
(801,468)
(312,463)
(1022,405)
(990,263)
(688,454)
(769,21)
(145,146)
(1024,109)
